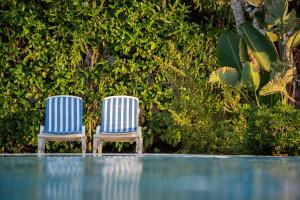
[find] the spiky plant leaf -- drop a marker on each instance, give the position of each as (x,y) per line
(251,77)
(294,40)
(278,84)
(289,75)
(260,46)
(228,50)
(274,86)
(228,75)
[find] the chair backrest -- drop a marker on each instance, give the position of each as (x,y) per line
(119,114)
(63,114)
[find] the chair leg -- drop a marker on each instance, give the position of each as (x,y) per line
(41,145)
(83,145)
(139,141)
(95,145)
(100,146)
(140,149)
(44,145)
(137,145)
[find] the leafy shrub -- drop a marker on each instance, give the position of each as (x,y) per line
(274,131)
(199,122)
(139,48)
(92,50)
(201,125)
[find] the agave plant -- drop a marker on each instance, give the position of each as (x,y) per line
(257,57)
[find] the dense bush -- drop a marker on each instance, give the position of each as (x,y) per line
(198,122)
(273,131)
(200,125)
(90,49)
(157,53)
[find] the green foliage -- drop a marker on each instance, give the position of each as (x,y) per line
(92,50)
(269,55)
(278,84)
(84,49)
(199,122)
(96,49)
(201,125)
(243,51)
(228,50)
(274,131)
(210,14)
(278,17)
(228,75)
(294,40)
(250,77)
(260,47)
(275,9)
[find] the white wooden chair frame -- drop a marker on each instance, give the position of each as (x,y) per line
(44,137)
(100,137)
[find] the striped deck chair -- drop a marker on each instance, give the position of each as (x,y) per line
(119,123)
(63,121)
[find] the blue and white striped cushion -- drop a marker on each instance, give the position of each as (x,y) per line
(63,114)
(119,114)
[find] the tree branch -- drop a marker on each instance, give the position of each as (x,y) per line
(238,11)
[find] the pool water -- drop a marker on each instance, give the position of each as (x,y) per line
(132,177)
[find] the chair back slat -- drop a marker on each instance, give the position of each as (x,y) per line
(119,114)
(63,114)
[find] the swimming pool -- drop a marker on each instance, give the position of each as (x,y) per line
(113,177)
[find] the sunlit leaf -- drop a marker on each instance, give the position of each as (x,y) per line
(256,3)
(260,46)
(250,76)
(294,40)
(228,75)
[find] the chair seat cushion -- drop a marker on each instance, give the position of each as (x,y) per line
(62,133)
(119,131)
(69,137)
(117,137)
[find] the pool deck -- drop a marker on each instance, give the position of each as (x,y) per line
(142,155)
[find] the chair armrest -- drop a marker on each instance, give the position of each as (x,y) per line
(41,129)
(98,130)
(83,130)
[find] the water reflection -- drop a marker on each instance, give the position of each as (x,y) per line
(217,178)
(63,178)
(120,177)
(109,178)
(148,177)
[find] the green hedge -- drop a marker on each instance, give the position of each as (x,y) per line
(200,125)
(95,49)
(92,49)
(274,131)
